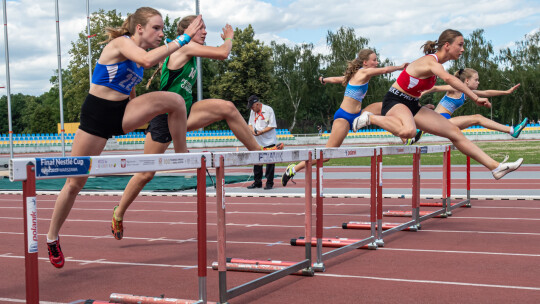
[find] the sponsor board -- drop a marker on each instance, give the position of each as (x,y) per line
(62,166)
(270,157)
(31,224)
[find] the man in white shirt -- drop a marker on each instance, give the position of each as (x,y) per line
(262,122)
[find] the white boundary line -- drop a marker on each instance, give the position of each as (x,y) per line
(467,284)
(291,195)
(429,282)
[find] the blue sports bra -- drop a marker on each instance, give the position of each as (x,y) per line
(121,76)
(452,104)
(356,92)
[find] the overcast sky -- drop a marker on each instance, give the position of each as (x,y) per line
(397,28)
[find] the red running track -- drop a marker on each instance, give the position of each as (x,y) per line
(487,254)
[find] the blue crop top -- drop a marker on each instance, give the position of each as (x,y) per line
(356,92)
(121,76)
(452,104)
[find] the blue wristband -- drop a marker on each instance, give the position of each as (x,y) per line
(183,39)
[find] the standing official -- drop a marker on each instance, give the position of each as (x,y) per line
(262,122)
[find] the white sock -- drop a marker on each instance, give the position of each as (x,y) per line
(511,130)
(293,171)
(50,241)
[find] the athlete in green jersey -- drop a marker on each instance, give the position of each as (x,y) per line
(180,81)
(178,75)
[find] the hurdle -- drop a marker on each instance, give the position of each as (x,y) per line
(28,170)
(446,202)
(343,245)
(417,215)
(277,269)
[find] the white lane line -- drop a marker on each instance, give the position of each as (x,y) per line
(24,301)
(186,267)
(496,218)
(461,252)
(482,232)
(282,243)
(429,282)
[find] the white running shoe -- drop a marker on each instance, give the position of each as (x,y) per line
(361,121)
(506,168)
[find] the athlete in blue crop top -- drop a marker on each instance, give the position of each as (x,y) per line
(108,109)
(356,79)
(122,76)
(454,99)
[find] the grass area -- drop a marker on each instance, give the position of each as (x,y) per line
(529,150)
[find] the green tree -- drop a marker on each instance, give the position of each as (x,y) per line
(18,108)
(247,71)
(295,87)
(521,64)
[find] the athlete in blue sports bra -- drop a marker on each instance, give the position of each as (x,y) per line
(356,79)
(454,99)
(111,107)
(122,76)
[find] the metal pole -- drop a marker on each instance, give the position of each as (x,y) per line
(199,66)
(8,88)
(60,80)
(88,42)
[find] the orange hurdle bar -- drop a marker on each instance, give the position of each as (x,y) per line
(367,226)
(438,204)
(132,299)
(260,266)
(404,213)
(336,243)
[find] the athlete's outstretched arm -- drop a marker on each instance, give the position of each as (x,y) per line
(440,88)
(334,79)
(370,72)
(219,53)
(491,93)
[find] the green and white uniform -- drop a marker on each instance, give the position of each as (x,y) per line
(179,81)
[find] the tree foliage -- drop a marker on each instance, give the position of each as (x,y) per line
(247,71)
(286,78)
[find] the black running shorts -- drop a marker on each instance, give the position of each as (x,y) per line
(159,129)
(394,97)
(102,117)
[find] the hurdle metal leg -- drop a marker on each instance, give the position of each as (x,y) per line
(30,236)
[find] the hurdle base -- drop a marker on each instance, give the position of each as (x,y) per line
(336,243)
(372,246)
(367,226)
(261,266)
(439,204)
(319,267)
(133,299)
(402,213)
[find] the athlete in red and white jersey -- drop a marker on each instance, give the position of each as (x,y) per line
(402,113)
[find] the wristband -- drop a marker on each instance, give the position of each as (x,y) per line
(228,38)
(322,80)
(182,39)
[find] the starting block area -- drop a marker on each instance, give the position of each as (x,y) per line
(229,255)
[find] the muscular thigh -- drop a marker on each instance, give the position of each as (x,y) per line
(340,129)
(402,112)
(429,121)
(208,111)
(462,122)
